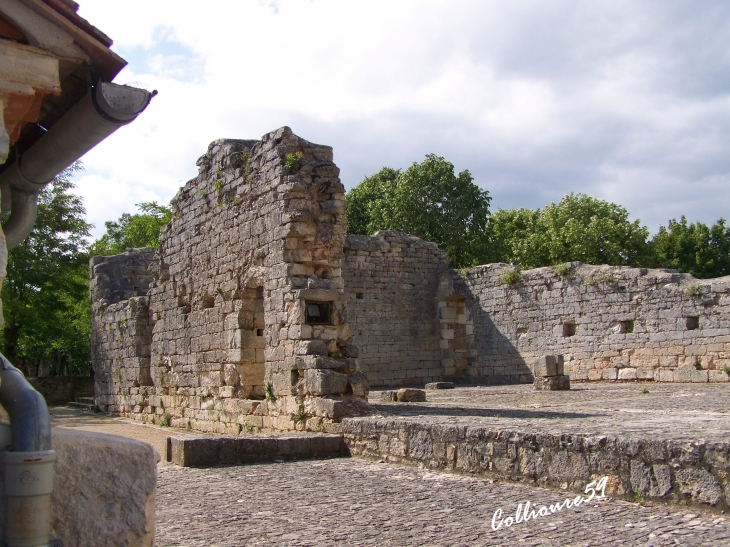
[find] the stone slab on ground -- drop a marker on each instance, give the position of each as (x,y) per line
(558,382)
(440,385)
(353,502)
(410,395)
(220,450)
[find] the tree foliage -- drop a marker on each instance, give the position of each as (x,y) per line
(133,231)
(578,228)
(694,248)
(47,319)
(427,200)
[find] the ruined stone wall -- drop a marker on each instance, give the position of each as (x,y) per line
(610,323)
(251,256)
(390,281)
(121,330)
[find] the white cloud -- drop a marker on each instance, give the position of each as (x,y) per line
(620,100)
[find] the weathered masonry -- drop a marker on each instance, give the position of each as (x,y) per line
(258,311)
(244,322)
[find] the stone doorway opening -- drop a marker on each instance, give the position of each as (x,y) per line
(456,330)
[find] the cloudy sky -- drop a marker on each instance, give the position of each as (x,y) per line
(628,101)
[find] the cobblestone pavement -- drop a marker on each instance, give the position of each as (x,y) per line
(354,502)
(665,411)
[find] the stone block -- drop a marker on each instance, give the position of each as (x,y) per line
(440,385)
(627,374)
(645,373)
(718,376)
(409,395)
(610,373)
(104,490)
(552,383)
(544,366)
(700,485)
(212,451)
(324,382)
(358,384)
(389,396)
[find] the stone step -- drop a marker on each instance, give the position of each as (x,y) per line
(211,451)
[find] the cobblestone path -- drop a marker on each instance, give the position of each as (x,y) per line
(353,502)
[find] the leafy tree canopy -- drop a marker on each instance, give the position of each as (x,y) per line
(694,248)
(427,200)
(133,231)
(47,320)
(578,228)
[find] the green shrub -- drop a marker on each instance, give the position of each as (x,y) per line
(692,290)
(510,277)
(165,420)
(269,389)
(292,162)
(562,269)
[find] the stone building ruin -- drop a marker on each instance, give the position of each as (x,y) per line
(257,310)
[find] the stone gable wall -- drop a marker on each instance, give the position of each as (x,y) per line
(254,239)
(390,281)
(610,323)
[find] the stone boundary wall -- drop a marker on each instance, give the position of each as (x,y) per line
(390,281)
(609,323)
(671,471)
(59,390)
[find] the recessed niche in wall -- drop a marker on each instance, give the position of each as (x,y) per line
(568,329)
(626,327)
(359,295)
(318,313)
(259,332)
(693,322)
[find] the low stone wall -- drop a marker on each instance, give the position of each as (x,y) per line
(687,472)
(59,390)
(390,281)
(609,323)
(103,490)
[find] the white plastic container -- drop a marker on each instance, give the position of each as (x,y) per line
(28,487)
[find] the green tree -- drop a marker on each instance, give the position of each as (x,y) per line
(361,198)
(133,231)
(45,295)
(512,237)
(427,200)
(578,228)
(694,248)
